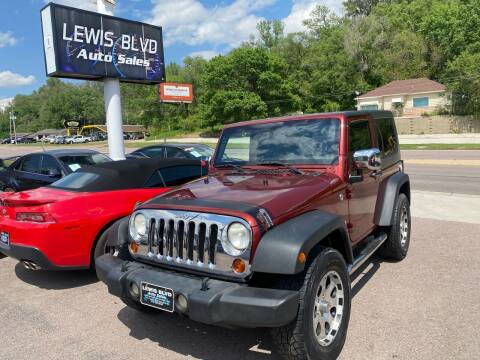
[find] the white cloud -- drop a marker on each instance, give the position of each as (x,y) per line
(81,4)
(302,9)
(190,22)
(206,54)
(7,39)
(9,79)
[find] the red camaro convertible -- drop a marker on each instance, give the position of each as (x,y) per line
(65,225)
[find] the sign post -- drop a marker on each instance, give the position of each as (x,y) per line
(86,45)
(113,101)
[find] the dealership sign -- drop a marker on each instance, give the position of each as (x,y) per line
(176,93)
(86,45)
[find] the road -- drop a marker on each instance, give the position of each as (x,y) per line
(455,171)
(425,307)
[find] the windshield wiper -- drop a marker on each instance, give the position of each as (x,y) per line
(279,163)
(234,166)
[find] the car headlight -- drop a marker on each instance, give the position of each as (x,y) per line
(138,226)
(238,239)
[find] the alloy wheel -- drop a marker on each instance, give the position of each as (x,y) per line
(328,308)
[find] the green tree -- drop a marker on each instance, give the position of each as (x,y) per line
(270,33)
(462,78)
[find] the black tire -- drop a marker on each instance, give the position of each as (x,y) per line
(398,240)
(297,340)
(101,247)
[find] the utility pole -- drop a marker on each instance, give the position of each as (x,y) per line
(113,103)
(12,121)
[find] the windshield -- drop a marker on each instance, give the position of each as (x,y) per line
(75,162)
(289,142)
(200,152)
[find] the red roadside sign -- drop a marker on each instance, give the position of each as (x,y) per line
(176,93)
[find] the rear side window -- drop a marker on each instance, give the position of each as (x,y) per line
(178,175)
(173,152)
(154,152)
(75,181)
(50,165)
(386,136)
(31,163)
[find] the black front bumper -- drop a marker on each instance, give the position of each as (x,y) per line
(215,302)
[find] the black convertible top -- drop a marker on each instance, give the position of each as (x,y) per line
(120,175)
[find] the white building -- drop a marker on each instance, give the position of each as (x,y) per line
(411,97)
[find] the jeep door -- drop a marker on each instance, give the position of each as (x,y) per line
(362,195)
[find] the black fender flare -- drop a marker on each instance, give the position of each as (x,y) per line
(118,232)
(279,248)
(387,197)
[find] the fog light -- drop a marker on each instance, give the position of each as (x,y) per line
(182,303)
(133,247)
(238,266)
(134,290)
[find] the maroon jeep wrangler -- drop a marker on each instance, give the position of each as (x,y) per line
(291,208)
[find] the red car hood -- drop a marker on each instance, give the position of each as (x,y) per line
(278,194)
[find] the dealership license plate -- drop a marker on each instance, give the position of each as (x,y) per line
(157,296)
(4,239)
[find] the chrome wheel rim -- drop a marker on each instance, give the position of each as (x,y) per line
(328,308)
(404,226)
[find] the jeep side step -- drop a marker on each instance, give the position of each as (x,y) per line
(371,245)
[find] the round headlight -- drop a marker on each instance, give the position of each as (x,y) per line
(238,239)
(138,226)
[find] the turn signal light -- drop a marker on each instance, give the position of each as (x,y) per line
(238,266)
(302,258)
(35,217)
(133,247)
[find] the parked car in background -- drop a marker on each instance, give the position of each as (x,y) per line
(26,140)
(78,139)
(166,151)
(60,139)
(66,225)
(39,169)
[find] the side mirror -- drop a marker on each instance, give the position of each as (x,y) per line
(367,159)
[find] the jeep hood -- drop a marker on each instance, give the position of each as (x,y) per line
(278,194)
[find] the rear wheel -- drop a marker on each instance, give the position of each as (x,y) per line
(320,329)
(398,240)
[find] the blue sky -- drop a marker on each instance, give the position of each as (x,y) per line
(191,27)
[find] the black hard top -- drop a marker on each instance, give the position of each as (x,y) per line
(128,174)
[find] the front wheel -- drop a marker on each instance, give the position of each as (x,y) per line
(102,248)
(320,329)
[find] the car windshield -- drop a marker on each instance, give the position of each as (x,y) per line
(200,152)
(76,161)
(313,141)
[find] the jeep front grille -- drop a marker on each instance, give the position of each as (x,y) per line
(183,238)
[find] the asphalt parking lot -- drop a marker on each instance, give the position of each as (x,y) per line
(425,307)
